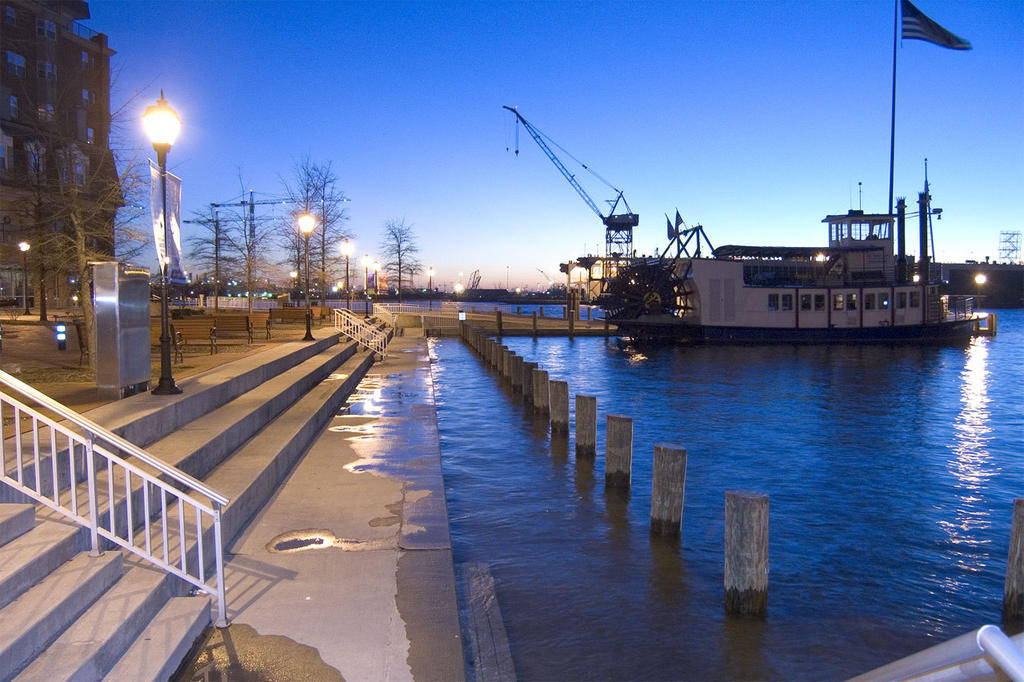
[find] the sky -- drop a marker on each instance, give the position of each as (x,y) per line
(753,118)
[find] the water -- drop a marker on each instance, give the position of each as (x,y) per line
(891,471)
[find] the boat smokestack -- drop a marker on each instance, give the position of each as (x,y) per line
(922,221)
(902,274)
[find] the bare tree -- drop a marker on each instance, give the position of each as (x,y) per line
(398,249)
(208,249)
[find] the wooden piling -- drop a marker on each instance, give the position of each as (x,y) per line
(572,326)
(559,393)
(586,425)
(668,488)
(1013,590)
(497,320)
(541,394)
(527,381)
(506,363)
(517,374)
(618,451)
(535,323)
(746,552)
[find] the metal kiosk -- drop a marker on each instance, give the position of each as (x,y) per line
(121,329)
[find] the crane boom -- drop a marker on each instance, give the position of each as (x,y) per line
(619,227)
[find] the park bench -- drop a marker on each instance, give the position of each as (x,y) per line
(189,330)
(260,319)
(232,325)
(288,314)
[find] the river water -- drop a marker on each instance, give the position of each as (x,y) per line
(891,473)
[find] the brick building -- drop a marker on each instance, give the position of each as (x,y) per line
(56,168)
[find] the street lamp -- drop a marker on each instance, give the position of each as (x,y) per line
(430,288)
(346,250)
(366,283)
(307,224)
(24,246)
(162,124)
(376,277)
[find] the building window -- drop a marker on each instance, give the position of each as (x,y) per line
(773,301)
(46,113)
(90,136)
(869,301)
(787,301)
(15,64)
(837,301)
(10,16)
(819,302)
(901,299)
(46,29)
(85,96)
(80,172)
(805,301)
(85,59)
(12,106)
(915,299)
(46,70)
(5,152)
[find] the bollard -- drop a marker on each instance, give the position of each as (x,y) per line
(559,393)
(668,488)
(535,323)
(1013,591)
(527,381)
(618,451)
(541,396)
(517,374)
(586,425)
(497,320)
(746,552)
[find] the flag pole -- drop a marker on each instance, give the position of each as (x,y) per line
(892,121)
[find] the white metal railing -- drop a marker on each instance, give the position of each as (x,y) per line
(128,496)
(384,313)
(362,331)
(401,307)
(975,655)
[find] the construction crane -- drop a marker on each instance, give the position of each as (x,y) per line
(618,226)
(252,203)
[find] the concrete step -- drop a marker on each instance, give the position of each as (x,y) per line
(36,618)
(29,558)
(15,520)
(162,646)
(94,643)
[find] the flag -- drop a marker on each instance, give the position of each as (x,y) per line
(917,26)
(175,272)
(668,224)
(679,221)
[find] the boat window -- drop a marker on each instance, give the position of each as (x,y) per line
(869,301)
(915,299)
(837,301)
(805,301)
(773,301)
(883,302)
(901,299)
(787,301)
(851,301)
(819,302)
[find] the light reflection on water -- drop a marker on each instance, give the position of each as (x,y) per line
(891,473)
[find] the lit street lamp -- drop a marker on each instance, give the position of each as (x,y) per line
(366,283)
(162,124)
(24,246)
(307,224)
(346,250)
(430,288)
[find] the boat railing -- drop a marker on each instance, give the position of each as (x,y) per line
(959,307)
(117,490)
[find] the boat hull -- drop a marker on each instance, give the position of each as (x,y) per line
(955,331)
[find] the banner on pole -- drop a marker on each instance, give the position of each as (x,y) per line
(171,256)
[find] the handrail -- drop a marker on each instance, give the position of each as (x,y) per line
(984,650)
(112,438)
(360,331)
(135,518)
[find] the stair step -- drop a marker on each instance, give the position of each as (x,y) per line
(15,520)
(162,646)
(29,558)
(94,642)
(35,619)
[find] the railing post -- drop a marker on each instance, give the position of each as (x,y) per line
(222,615)
(90,475)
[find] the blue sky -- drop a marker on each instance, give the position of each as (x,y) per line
(755,119)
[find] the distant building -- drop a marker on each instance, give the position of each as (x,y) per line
(56,167)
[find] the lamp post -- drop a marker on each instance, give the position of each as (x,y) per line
(24,246)
(162,124)
(346,250)
(430,288)
(307,224)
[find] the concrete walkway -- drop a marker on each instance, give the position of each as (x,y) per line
(347,572)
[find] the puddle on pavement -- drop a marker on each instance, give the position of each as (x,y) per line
(303,540)
(238,652)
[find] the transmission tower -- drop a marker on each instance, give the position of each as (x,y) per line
(1009,247)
